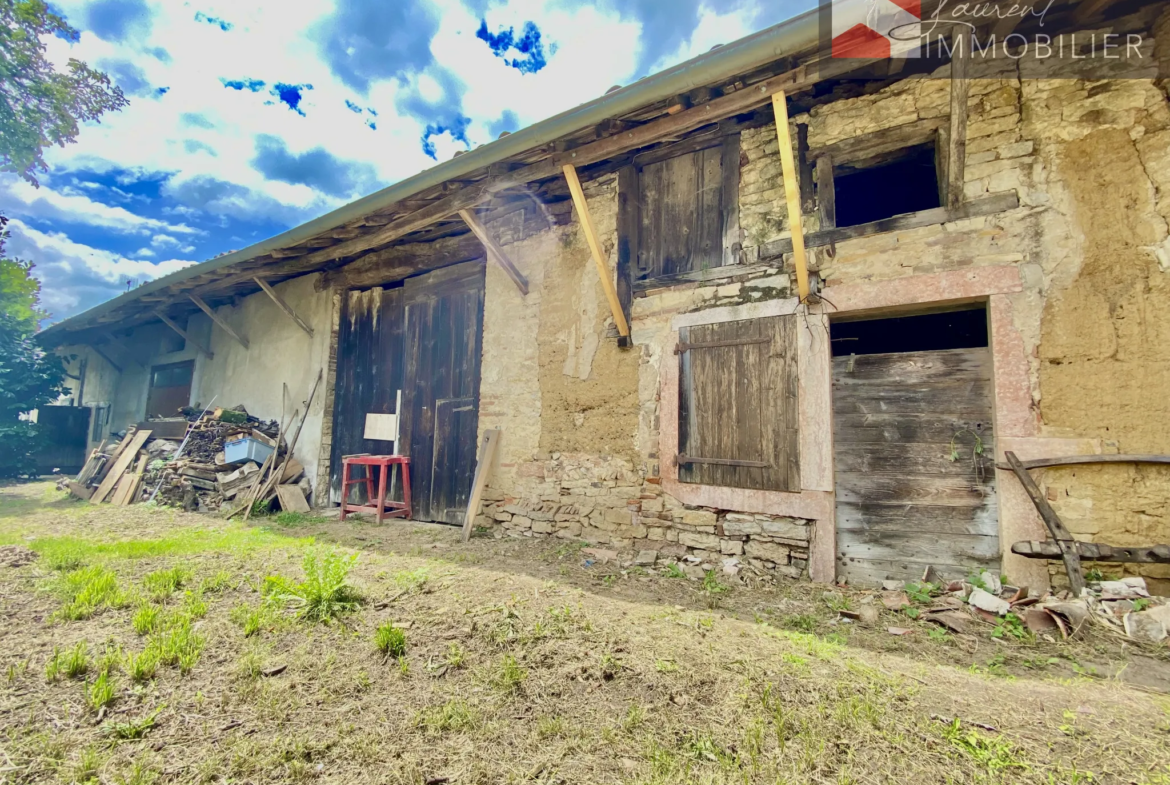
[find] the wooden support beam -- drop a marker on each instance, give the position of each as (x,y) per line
(826,193)
(1068,546)
(791,192)
(494,250)
(282,305)
(586,220)
(200,347)
(106,357)
(957,138)
(227,328)
(122,348)
(629,225)
(734,103)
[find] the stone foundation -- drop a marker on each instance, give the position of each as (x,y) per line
(605,501)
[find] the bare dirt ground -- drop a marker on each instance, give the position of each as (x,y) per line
(149,645)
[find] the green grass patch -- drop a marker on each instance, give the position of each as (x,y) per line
(454,715)
(89,590)
(390,640)
(101,692)
(161,584)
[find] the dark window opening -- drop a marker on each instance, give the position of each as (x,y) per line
(873,190)
(925,333)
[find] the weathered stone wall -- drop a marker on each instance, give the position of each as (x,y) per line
(1090,164)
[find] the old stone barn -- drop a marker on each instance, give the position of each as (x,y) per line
(806,347)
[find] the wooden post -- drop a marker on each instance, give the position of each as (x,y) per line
(200,347)
(494,250)
(487,456)
(1068,546)
(791,192)
(227,328)
(957,138)
(282,305)
(826,193)
(615,305)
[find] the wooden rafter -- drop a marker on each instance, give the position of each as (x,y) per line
(282,305)
(227,328)
(122,348)
(200,347)
(582,206)
(471,195)
(791,192)
(494,250)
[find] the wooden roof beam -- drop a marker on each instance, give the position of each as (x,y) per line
(494,251)
(227,328)
(200,347)
(471,195)
(282,305)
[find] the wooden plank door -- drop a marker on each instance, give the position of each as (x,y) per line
(371,362)
(170,389)
(444,319)
(902,503)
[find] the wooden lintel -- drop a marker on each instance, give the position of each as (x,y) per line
(227,328)
(494,250)
(586,220)
(282,305)
(791,192)
(957,138)
(988,205)
(200,347)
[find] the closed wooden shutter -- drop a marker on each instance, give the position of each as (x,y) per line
(687,211)
(738,404)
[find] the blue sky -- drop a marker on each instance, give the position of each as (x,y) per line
(248,118)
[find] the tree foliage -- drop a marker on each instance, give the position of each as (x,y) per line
(39,105)
(29,378)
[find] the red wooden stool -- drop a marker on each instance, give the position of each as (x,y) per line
(380,506)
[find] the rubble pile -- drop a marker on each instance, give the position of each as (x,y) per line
(1122,607)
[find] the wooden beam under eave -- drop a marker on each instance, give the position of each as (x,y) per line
(669,126)
(494,250)
(200,347)
(227,328)
(791,192)
(582,206)
(282,305)
(957,138)
(122,348)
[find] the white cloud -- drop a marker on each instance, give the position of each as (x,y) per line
(76,276)
(71,206)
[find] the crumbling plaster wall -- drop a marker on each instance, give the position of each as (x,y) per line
(1087,325)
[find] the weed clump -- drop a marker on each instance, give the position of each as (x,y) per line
(163,583)
(508,677)
(101,692)
(390,640)
(89,590)
(324,595)
(453,715)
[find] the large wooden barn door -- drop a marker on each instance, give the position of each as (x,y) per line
(370,372)
(444,318)
(902,503)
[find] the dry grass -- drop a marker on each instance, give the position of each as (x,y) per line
(521,666)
